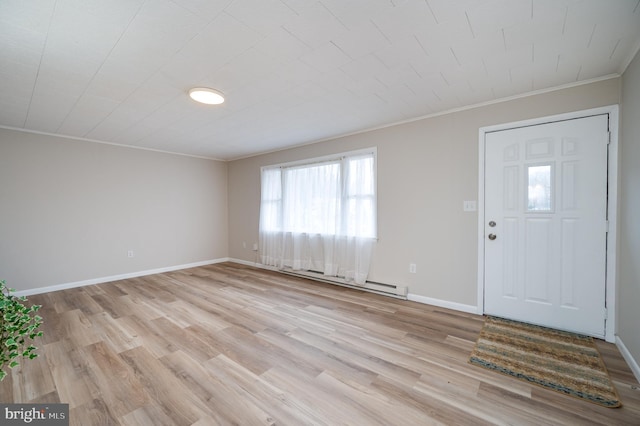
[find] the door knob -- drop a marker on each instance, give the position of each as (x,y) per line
(492,237)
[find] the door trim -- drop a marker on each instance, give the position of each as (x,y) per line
(612,203)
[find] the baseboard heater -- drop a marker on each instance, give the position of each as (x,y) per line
(396,291)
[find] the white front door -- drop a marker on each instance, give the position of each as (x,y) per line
(545,224)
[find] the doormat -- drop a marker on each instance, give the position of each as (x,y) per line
(566,362)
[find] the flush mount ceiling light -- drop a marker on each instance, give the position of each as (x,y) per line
(205,95)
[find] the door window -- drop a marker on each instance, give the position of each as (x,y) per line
(539,192)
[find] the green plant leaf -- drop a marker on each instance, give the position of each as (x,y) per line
(17,324)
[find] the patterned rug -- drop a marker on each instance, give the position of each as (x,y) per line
(565,362)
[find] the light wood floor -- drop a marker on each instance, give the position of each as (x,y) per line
(229,344)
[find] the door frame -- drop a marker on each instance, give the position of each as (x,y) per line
(612,203)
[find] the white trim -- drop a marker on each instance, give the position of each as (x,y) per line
(610,109)
(358,132)
(412,297)
(480,205)
(633,364)
(630,58)
(325,158)
(438,114)
(612,235)
(470,309)
(107,279)
(250,263)
(121,145)
(399,292)
(392,290)
(612,208)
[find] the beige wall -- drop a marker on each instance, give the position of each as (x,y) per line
(629,214)
(426,169)
(71,210)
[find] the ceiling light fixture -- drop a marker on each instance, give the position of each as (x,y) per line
(205,95)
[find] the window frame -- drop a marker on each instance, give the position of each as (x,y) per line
(338,157)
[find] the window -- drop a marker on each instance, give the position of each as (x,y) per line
(539,197)
(335,197)
(320,215)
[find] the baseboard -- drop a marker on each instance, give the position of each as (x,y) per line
(470,309)
(413,297)
(631,362)
(254,264)
(101,280)
(247,263)
(373,287)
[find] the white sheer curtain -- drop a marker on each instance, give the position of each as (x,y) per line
(320,216)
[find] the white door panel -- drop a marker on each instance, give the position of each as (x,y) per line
(546,192)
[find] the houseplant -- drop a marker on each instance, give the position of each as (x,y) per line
(18,325)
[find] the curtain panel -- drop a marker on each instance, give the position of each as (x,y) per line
(320,216)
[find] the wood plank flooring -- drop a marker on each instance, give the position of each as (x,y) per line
(233,345)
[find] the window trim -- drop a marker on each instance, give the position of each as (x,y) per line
(331,158)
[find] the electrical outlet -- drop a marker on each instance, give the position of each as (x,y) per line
(255,246)
(469,206)
(412,268)
(130,253)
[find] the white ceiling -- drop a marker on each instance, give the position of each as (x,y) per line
(293,71)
